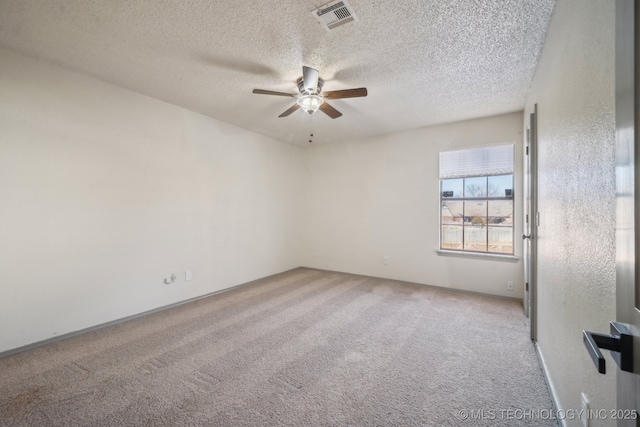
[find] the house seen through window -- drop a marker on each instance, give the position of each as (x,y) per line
(476,199)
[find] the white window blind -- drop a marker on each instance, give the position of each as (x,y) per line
(496,160)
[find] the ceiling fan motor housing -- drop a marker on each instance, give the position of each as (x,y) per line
(304,90)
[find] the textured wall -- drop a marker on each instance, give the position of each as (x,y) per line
(380,196)
(105,192)
(574,90)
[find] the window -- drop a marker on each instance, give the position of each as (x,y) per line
(476,200)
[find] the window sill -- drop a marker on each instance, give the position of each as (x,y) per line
(478,255)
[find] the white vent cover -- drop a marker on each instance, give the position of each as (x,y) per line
(334,14)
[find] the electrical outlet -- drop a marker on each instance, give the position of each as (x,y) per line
(385,260)
(187,275)
(584,413)
(510,285)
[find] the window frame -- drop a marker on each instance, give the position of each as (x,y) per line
(460,195)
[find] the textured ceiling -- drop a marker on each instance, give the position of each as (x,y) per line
(423,62)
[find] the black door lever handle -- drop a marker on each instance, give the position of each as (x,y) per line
(620,342)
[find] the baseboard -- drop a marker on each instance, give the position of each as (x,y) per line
(552,390)
(439,288)
(127,318)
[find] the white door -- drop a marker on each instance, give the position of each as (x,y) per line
(624,337)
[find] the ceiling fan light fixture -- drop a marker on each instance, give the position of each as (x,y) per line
(310,103)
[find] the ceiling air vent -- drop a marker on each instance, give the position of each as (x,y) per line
(334,14)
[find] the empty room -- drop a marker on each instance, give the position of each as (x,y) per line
(218,213)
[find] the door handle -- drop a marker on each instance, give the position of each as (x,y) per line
(526,236)
(620,342)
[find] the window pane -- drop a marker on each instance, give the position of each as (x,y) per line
(451,218)
(475,212)
(451,237)
(475,226)
(452,212)
(500,239)
(500,186)
(500,229)
(452,187)
(475,187)
(500,212)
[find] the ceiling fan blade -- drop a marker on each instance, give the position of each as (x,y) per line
(310,78)
(270,92)
(290,110)
(330,111)
(347,93)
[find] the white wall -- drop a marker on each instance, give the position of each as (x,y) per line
(104,192)
(376,197)
(574,89)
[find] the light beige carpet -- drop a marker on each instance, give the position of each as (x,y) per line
(303,348)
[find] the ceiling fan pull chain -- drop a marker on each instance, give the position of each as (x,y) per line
(311,126)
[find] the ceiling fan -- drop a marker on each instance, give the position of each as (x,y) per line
(311,99)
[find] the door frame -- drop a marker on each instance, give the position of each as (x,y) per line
(627,180)
(531,221)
